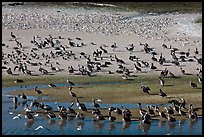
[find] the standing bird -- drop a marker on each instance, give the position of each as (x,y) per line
(72,94)
(96,105)
(9,71)
(23,96)
(161,114)
(70,82)
(181,113)
(141,111)
(193,85)
(28,115)
(111,118)
(161,93)
(51,115)
(169,110)
(161,81)
(80,115)
(183,103)
(170,119)
(13,36)
(196,51)
(81,106)
(37,90)
(199,78)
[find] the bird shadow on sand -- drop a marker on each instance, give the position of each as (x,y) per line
(188,74)
(168,85)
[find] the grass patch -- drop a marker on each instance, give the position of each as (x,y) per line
(128,92)
(198,20)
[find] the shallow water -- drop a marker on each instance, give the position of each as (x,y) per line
(87,126)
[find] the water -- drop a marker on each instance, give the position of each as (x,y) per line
(73,126)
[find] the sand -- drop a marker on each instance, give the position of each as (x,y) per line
(103,28)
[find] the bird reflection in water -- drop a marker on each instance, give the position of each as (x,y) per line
(62,123)
(29,123)
(79,125)
(181,122)
(144,127)
(52,122)
(98,124)
(126,125)
(171,125)
(161,123)
(192,122)
(111,126)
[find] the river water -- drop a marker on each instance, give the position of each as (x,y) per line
(88,126)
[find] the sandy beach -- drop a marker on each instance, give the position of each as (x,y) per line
(75,35)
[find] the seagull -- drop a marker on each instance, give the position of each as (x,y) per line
(17,117)
(39,127)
